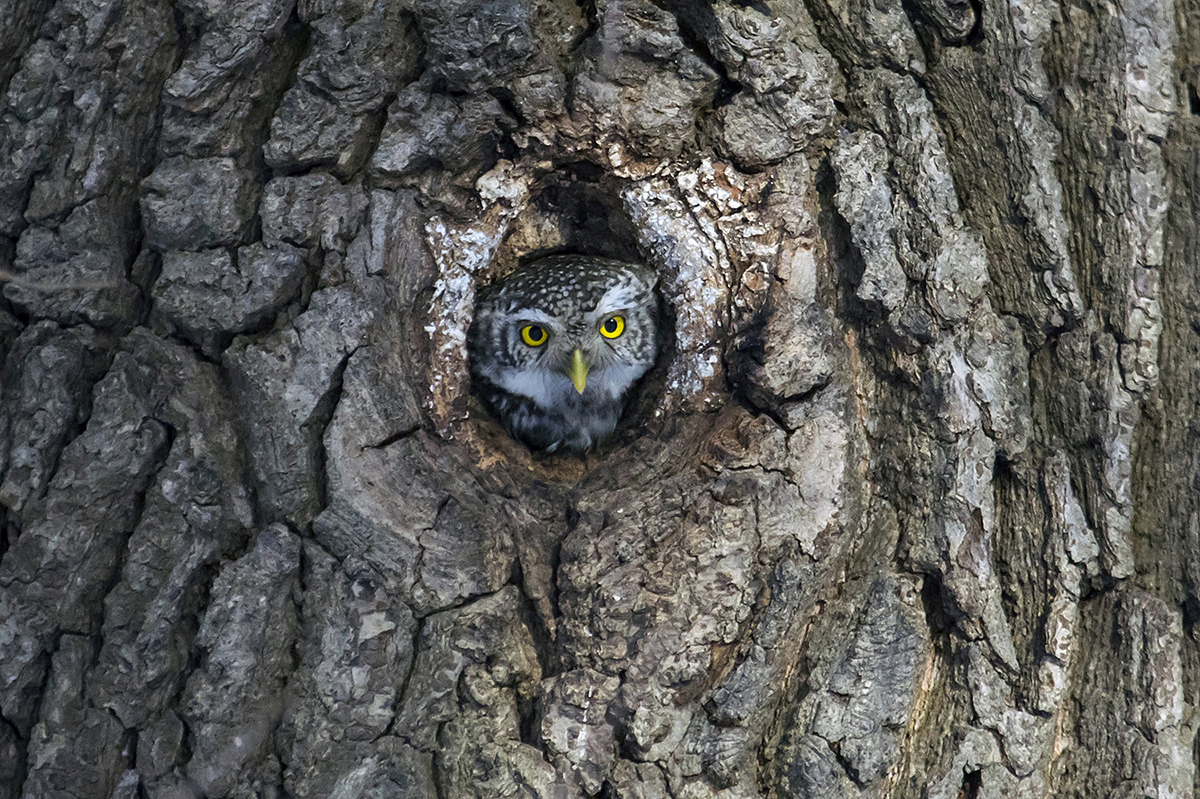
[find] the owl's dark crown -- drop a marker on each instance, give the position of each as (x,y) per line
(559,284)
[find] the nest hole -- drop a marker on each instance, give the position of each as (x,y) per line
(579,209)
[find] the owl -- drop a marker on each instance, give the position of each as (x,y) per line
(556,346)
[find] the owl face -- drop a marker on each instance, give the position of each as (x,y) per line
(557,344)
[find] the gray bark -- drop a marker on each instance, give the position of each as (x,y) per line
(909,507)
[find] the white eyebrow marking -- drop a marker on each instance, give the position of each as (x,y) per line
(530,315)
(617,298)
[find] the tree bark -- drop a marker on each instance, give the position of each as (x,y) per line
(909,507)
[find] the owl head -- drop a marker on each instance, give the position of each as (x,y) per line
(557,344)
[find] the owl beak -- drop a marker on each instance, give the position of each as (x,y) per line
(578,371)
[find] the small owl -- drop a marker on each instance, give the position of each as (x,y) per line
(556,345)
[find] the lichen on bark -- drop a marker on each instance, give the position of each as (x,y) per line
(906,508)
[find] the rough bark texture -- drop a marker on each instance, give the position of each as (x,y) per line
(910,506)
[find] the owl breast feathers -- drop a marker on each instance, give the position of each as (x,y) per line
(556,346)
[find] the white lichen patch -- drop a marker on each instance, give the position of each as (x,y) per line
(1042,205)
(1074,553)
(864,199)
(717,245)
(462,251)
(1150,38)
(694,274)
(817,451)
(958,276)
(1139,355)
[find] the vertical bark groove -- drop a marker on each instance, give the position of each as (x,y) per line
(907,508)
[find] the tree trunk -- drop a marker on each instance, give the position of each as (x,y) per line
(908,507)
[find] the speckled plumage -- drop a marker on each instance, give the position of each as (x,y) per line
(530,388)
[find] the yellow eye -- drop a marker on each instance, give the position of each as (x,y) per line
(614,327)
(534,335)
